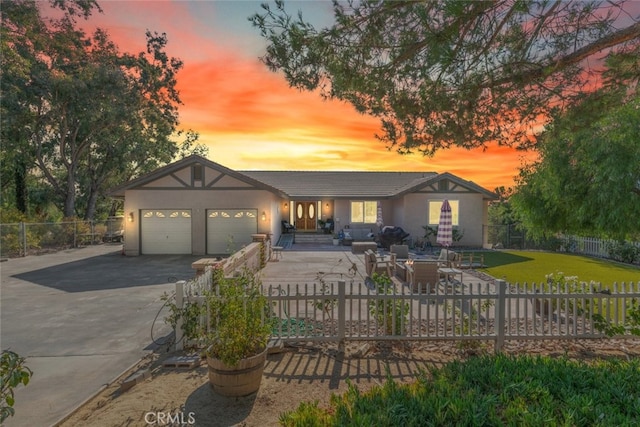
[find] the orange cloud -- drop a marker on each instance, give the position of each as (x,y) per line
(251,119)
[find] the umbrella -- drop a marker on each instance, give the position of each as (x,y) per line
(445,229)
(379,219)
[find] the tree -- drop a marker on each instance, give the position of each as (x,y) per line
(443,73)
(587,180)
(22,35)
(96,116)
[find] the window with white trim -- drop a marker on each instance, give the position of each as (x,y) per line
(434,211)
(364,212)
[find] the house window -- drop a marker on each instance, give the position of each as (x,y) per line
(434,211)
(364,212)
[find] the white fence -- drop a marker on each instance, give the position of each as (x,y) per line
(590,245)
(343,311)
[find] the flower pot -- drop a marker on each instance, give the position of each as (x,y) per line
(336,242)
(239,380)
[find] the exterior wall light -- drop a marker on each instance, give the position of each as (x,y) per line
(130,217)
(264,216)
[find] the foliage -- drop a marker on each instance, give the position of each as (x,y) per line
(238,314)
(443,73)
(456,233)
(623,251)
(13,372)
(491,391)
(587,180)
(193,328)
(82,116)
(391,314)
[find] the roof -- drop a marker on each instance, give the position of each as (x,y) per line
(318,184)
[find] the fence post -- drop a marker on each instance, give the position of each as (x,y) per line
(342,310)
(179,333)
(23,238)
(501,287)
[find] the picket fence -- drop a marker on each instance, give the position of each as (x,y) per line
(349,311)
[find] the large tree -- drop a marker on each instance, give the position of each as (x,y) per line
(587,180)
(441,73)
(96,115)
(22,36)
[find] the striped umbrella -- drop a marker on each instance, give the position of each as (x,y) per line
(445,229)
(379,219)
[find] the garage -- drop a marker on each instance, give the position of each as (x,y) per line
(165,231)
(228,230)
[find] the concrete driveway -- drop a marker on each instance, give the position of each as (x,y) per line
(81,317)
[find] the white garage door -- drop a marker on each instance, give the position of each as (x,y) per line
(166,231)
(228,230)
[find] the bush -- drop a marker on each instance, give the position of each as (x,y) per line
(623,251)
(492,391)
(391,314)
(13,372)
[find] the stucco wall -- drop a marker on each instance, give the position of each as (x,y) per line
(473,214)
(198,201)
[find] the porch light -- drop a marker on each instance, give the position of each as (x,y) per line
(130,217)
(264,216)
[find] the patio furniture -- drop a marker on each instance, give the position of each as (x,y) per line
(287,227)
(392,235)
(377,264)
(361,247)
(450,272)
(276,253)
(424,276)
(449,259)
(401,252)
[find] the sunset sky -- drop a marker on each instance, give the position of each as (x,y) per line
(249,117)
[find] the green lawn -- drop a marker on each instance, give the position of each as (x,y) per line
(533,266)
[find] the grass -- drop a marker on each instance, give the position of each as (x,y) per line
(532,267)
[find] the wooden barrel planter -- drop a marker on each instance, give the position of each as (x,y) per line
(239,380)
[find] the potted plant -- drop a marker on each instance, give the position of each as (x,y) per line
(238,333)
(336,239)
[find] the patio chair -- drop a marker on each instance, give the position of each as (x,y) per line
(449,259)
(376,264)
(399,252)
(287,227)
(425,276)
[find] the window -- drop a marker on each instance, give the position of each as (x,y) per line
(364,212)
(434,211)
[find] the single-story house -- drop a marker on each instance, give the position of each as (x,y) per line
(196,206)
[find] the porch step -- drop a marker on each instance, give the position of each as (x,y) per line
(317,238)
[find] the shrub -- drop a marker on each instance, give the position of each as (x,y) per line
(623,251)
(13,372)
(392,314)
(492,390)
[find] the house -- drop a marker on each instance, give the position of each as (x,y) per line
(196,206)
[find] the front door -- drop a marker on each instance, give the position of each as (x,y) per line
(306,216)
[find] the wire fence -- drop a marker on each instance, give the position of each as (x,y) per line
(26,238)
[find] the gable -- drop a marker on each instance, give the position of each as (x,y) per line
(450,184)
(192,173)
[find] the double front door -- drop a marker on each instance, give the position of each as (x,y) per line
(306,216)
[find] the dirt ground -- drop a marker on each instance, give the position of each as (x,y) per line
(182,396)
